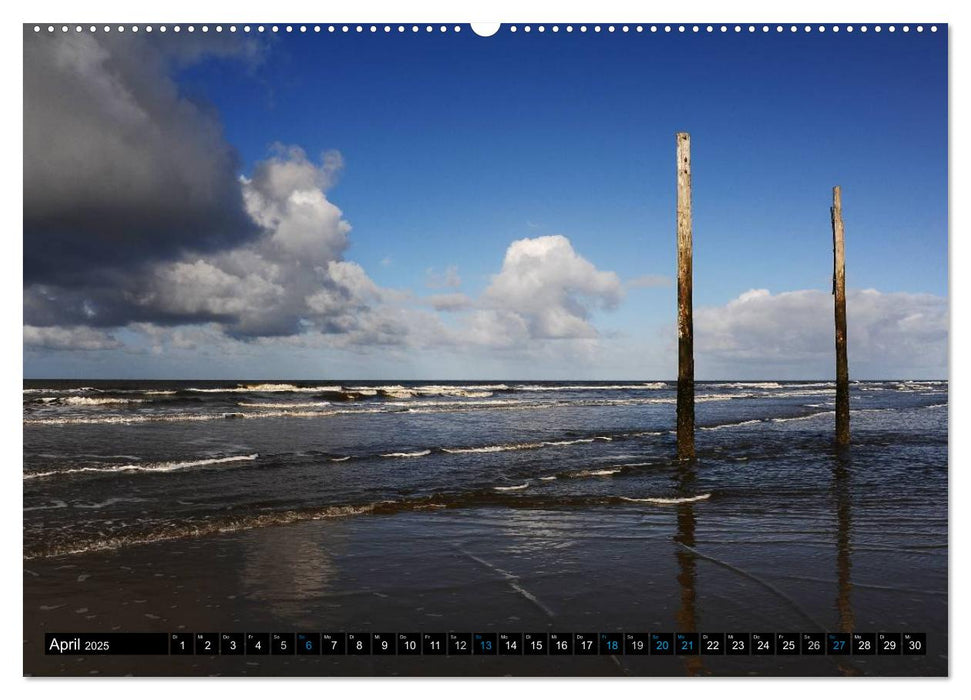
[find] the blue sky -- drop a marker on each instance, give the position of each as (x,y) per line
(455,146)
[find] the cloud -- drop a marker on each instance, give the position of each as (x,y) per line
(440,280)
(68,338)
(120,168)
(449,302)
(136,216)
(291,278)
(288,278)
(648,281)
(791,334)
(546,290)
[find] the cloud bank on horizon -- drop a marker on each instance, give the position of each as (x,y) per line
(138,224)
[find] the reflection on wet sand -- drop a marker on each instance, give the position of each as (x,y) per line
(844,545)
(686,615)
(845,620)
(287,574)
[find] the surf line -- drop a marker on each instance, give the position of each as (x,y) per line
(512,579)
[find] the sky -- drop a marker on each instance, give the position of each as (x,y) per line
(448,206)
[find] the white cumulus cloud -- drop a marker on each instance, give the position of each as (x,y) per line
(547,290)
(791,334)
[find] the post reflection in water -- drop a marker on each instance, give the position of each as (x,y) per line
(844,544)
(290,575)
(684,537)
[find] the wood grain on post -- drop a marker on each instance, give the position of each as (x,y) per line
(686,362)
(839,292)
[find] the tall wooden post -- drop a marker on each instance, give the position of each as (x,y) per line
(839,292)
(686,361)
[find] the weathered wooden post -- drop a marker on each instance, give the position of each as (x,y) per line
(686,362)
(839,292)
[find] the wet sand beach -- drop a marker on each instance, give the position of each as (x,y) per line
(481,570)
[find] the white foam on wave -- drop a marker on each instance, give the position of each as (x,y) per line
(472,392)
(151,467)
(241,524)
(590,387)
(547,478)
(804,392)
(282,406)
(340,459)
(668,501)
(419,453)
(105,504)
(494,448)
(183,417)
(511,488)
(397,391)
(96,401)
(59,391)
(746,385)
(54,506)
(266,388)
(562,443)
(754,421)
(594,472)
(446,404)
(793,418)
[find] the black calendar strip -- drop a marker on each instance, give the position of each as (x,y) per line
(489,643)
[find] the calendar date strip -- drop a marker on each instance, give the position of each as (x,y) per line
(487,643)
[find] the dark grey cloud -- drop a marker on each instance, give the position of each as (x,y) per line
(120,169)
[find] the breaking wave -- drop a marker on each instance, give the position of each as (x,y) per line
(149,467)
(668,501)
(511,488)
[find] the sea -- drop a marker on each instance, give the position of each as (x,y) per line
(113,464)
(500,505)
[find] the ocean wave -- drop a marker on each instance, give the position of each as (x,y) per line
(60,391)
(169,531)
(591,387)
(106,503)
(511,488)
(668,501)
(149,467)
(586,473)
(563,443)
(722,426)
(494,448)
(55,506)
(419,453)
(285,406)
(96,401)
(806,417)
(72,541)
(288,411)
(265,389)
(745,385)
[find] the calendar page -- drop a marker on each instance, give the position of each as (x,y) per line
(530,349)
